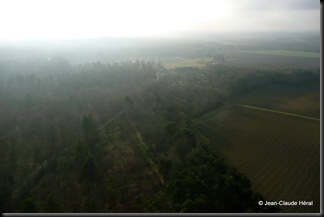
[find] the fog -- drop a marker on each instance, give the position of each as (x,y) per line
(159,106)
(49,19)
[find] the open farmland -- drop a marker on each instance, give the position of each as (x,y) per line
(178,62)
(286,53)
(270,61)
(298,99)
(279,153)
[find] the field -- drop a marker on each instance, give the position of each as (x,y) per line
(286,53)
(270,61)
(279,153)
(177,62)
(298,99)
(266,59)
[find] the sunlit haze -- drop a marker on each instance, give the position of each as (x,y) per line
(20,19)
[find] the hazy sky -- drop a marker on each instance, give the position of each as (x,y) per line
(21,19)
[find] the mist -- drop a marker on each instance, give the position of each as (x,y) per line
(154,106)
(39,19)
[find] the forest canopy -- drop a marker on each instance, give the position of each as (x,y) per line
(120,137)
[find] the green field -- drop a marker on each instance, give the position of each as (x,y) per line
(279,153)
(177,62)
(286,53)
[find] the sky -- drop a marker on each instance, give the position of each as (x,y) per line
(60,19)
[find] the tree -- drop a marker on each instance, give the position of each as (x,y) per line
(90,131)
(185,142)
(129,102)
(90,205)
(87,123)
(165,168)
(90,169)
(206,184)
(81,152)
(53,204)
(29,206)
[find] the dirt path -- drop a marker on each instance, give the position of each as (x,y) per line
(153,165)
(111,119)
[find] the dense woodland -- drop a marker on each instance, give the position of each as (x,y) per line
(119,137)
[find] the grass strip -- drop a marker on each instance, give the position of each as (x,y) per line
(279,112)
(149,159)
